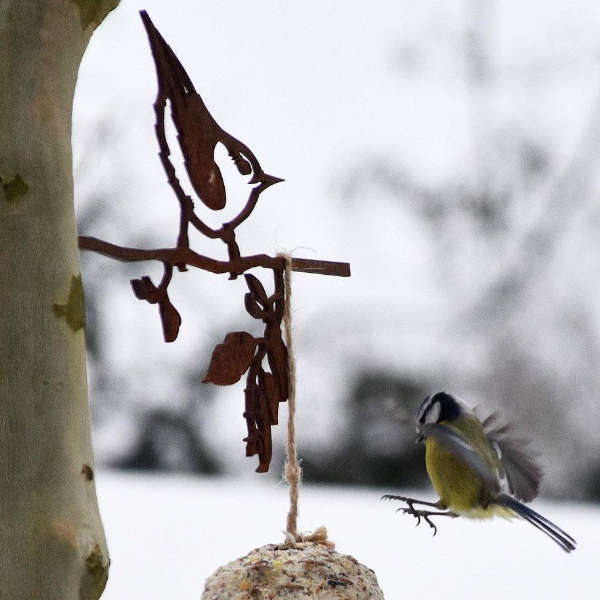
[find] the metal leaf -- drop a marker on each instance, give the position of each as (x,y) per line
(170,318)
(270,389)
(252,307)
(278,362)
(264,426)
(144,289)
(231,359)
(256,289)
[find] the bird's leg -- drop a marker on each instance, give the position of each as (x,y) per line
(411,501)
(426,516)
(422,514)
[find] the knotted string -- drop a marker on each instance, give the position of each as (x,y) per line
(292,471)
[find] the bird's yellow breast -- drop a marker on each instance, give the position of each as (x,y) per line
(458,487)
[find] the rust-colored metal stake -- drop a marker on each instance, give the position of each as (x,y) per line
(198,134)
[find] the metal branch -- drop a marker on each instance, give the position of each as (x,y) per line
(177,256)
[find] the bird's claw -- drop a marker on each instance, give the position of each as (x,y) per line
(420,514)
(426,515)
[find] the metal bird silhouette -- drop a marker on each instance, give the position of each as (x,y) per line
(198,132)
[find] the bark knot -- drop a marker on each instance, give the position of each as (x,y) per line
(14,188)
(73,310)
(96,574)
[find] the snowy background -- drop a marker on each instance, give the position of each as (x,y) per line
(168,534)
(450,152)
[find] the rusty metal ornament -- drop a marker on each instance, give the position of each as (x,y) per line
(240,352)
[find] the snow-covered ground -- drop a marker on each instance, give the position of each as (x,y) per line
(166,534)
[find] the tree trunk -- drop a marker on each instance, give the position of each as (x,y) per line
(52,543)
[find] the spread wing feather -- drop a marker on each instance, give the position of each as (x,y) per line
(523,474)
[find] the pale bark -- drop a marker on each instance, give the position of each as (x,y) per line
(52,543)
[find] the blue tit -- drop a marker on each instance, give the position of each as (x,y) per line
(478,468)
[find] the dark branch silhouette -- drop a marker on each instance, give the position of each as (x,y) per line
(240,352)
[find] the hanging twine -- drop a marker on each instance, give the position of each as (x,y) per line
(292,471)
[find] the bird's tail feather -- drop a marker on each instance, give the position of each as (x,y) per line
(562,538)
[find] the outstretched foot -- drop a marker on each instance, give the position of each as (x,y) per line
(421,514)
(411,501)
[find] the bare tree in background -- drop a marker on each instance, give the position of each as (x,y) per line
(496,228)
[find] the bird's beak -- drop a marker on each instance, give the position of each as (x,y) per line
(419,439)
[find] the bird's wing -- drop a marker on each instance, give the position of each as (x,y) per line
(523,474)
(455,444)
